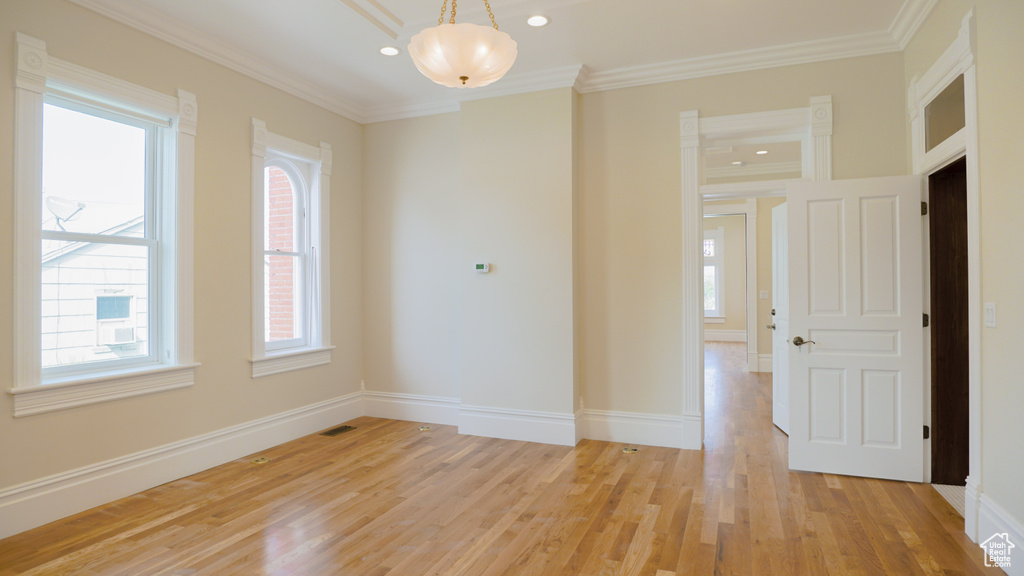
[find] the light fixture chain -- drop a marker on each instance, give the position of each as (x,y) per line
(453,11)
(444,8)
(489,13)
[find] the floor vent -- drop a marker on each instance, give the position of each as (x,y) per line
(337,431)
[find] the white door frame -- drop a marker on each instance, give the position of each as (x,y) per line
(956,60)
(748,209)
(812,126)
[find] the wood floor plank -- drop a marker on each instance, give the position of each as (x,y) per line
(388,499)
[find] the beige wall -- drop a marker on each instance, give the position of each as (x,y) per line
(224,393)
(412,266)
(630,205)
(517,213)
(735,274)
(494,183)
(1000,44)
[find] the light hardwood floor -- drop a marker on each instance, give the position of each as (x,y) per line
(387,498)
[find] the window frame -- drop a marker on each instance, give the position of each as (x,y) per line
(39,76)
(718,261)
(312,166)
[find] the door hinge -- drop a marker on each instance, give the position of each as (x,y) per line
(927,432)
(925,320)
(924,208)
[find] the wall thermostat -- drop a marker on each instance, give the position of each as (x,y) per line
(482,268)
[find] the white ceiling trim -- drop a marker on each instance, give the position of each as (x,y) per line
(366,14)
(743,61)
(158,25)
(477,11)
(754,170)
(911,16)
(564,77)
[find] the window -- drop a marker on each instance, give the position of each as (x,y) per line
(713,268)
(98,236)
(103,195)
(290,236)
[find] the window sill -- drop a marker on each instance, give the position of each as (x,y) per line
(290,360)
(714,319)
(63,393)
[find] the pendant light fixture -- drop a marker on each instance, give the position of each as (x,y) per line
(463,55)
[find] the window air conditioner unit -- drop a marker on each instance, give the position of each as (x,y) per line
(114,334)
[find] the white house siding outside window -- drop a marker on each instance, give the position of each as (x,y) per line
(291,329)
(104,178)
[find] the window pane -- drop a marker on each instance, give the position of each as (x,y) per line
(279,211)
(94,174)
(944,116)
(283,297)
(94,302)
(710,294)
(709,248)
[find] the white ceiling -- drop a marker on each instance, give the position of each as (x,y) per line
(326,51)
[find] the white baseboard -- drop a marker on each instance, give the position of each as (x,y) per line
(725,335)
(693,432)
(524,425)
(972,504)
(992,520)
(633,428)
(764,363)
(412,407)
(47,499)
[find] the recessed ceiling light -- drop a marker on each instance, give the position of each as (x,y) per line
(739,163)
(390,51)
(762,151)
(537,21)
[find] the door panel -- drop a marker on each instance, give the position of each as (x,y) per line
(856,296)
(780,319)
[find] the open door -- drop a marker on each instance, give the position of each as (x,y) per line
(856,336)
(780,318)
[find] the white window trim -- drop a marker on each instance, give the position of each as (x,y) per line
(38,74)
(718,260)
(318,350)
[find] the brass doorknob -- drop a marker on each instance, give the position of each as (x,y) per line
(798,341)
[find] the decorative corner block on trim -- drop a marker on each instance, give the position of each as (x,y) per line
(286,362)
(69,394)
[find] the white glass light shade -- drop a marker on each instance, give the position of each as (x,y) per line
(463,55)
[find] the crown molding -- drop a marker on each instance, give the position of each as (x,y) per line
(376,15)
(754,170)
(156,24)
(412,110)
(136,15)
(908,21)
(743,61)
(564,77)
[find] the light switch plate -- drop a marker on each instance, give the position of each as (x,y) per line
(764,294)
(990,314)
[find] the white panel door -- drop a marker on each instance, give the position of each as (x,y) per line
(780,318)
(856,299)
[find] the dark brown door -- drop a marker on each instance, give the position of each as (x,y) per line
(947,210)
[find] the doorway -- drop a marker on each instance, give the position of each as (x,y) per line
(950,374)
